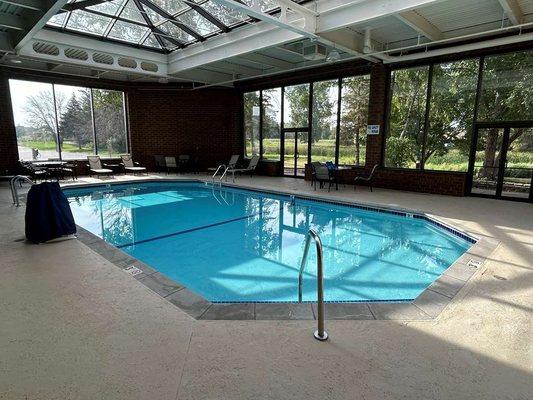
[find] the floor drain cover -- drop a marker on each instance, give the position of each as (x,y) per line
(133,270)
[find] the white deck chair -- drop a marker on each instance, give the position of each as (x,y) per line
(95,166)
(250,169)
(129,165)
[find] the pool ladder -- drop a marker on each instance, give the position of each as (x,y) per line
(224,171)
(13,186)
(320,333)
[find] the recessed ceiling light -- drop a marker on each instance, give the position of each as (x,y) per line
(16,61)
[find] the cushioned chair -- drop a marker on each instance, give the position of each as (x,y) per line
(325,175)
(130,166)
(170,163)
(95,166)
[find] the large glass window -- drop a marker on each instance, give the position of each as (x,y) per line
(296,106)
(354,119)
(324,124)
(451,109)
(75,121)
(506,90)
(34,113)
(109,122)
(403,146)
(56,121)
(271,123)
(252,113)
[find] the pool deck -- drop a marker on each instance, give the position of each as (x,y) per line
(76,327)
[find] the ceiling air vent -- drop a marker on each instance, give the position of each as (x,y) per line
(46,48)
(315,52)
(127,62)
(102,58)
(76,54)
(148,66)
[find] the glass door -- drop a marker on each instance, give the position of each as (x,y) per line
(295,152)
(502,165)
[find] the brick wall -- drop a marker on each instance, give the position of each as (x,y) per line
(8,138)
(205,122)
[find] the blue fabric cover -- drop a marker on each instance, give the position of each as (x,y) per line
(331,166)
(48,214)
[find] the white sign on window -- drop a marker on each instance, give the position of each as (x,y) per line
(255,111)
(372,130)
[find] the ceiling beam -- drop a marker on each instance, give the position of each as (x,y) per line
(231,67)
(5,42)
(37,22)
(420,24)
(10,21)
(34,5)
(513,11)
(82,4)
(262,59)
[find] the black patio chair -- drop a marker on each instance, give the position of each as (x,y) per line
(365,178)
(325,175)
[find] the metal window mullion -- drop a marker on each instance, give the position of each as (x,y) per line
(473,132)
(125,114)
(261,124)
(94,123)
(426,117)
(310,123)
(148,22)
(58,137)
(282,132)
(338,127)
(207,15)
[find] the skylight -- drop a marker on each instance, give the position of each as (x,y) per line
(164,25)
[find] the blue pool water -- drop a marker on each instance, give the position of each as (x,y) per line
(232,245)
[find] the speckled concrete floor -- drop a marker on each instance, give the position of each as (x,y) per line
(73,326)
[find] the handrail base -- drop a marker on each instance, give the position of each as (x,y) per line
(322,338)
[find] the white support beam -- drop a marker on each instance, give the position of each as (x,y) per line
(34,5)
(262,59)
(513,11)
(10,21)
(50,8)
(337,14)
(233,68)
(204,76)
(420,24)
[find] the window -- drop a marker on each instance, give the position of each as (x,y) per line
(506,91)
(109,122)
(271,123)
(251,123)
(75,121)
(325,113)
(451,109)
(56,121)
(354,119)
(296,106)
(403,145)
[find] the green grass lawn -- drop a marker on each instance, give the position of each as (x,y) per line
(51,145)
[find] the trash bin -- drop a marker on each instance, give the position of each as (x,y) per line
(48,214)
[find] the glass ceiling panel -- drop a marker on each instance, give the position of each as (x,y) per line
(128,32)
(197,23)
(89,23)
(109,19)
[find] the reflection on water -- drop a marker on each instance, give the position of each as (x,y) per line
(234,245)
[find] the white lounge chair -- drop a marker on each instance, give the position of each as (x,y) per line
(130,166)
(250,169)
(95,166)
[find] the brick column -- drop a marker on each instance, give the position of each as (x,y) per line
(376,113)
(8,136)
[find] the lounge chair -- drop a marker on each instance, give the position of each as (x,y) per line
(129,165)
(365,178)
(160,165)
(183,162)
(323,174)
(95,166)
(234,160)
(170,162)
(252,165)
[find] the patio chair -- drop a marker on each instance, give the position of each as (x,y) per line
(129,165)
(252,165)
(95,166)
(170,163)
(183,162)
(325,175)
(365,178)
(35,173)
(70,168)
(314,166)
(160,165)
(234,160)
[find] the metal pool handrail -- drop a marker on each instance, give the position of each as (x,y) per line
(221,166)
(13,185)
(320,333)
